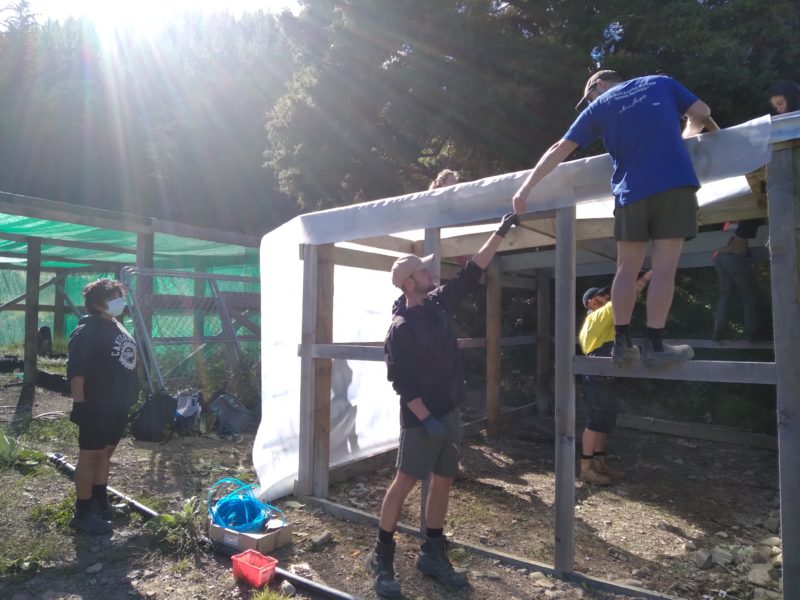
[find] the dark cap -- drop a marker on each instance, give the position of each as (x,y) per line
(592,292)
(606,75)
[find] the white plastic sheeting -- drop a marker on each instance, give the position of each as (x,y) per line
(364,409)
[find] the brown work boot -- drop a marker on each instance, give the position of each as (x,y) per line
(601,466)
(590,474)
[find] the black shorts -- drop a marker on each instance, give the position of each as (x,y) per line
(97,428)
(671,214)
(600,393)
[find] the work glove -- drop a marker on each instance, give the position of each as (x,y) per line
(433,427)
(506,223)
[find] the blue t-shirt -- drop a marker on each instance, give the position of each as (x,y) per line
(639,123)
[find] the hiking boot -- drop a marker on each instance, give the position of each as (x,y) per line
(91,523)
(433,561)
(380,564)
(107,513)
(623,354)
(671,355)
(590,474)
(601,466)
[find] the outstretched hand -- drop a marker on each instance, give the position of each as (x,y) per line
(506,223)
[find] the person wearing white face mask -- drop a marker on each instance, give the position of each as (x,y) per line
(101,369)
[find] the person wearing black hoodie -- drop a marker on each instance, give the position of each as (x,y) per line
(424,366)
(784,97)
(101,369)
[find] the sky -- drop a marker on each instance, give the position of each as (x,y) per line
(146,15)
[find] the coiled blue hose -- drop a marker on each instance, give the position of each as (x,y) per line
(240,510)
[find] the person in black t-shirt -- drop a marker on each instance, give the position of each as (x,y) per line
(101,369)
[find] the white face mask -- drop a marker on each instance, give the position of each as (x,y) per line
(115,307)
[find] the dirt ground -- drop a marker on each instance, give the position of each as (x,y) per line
(678,495)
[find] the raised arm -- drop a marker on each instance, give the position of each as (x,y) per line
(555,155)
(698,117)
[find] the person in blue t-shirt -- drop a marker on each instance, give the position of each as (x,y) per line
(654,187)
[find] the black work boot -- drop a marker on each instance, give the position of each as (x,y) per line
(380,564)
(433,561)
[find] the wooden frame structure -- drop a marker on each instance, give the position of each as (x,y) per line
(581,247)
(141,254)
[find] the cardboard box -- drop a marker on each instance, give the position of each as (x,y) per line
(264,542)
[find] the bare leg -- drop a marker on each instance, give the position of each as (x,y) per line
(666,254)
(593,441)
(630,257)
(438,498)
(393,500)
(88,464)
(103,466)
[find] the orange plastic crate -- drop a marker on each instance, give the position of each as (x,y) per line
(253,567)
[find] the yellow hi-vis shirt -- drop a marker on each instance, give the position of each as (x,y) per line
(598,329)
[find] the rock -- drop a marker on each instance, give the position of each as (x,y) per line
(777,561)
(760,576)
(721,556)
(485,575)
(554,594)
(774,551)
(702,559)
(95,568)
(287,589)
(537,575)
(148,573)
(689,546)
(772,523)
(770,541)
(722,534)
(318,541)
(760,555)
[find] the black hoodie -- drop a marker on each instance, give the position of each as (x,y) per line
(421,348)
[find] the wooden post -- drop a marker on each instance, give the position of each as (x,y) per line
(315,374)
(32,276)
(493,324)
(144,286)
(783,186)
(565,390)
(58,308)
(431,245)
(544,333)
(198,317)
(322,372)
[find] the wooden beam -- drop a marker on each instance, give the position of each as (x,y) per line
(565,392)
(699,431)
(305,473)
(32,277)
(322,372)
(493,368)
(145,246)
(432,245)
(104,265)
(97,246)
(387,242)
(783,191)
(694,370)
(544,335)
(347,257)
(59,331)
(39,208)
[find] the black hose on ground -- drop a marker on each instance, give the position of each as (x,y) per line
(147,513)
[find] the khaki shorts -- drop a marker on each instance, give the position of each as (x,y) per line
(419,455)
(669,214)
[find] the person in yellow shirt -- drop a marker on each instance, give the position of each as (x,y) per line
(596,339)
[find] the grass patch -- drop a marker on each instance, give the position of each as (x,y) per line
(57,515)
(51,432)
(267,594)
